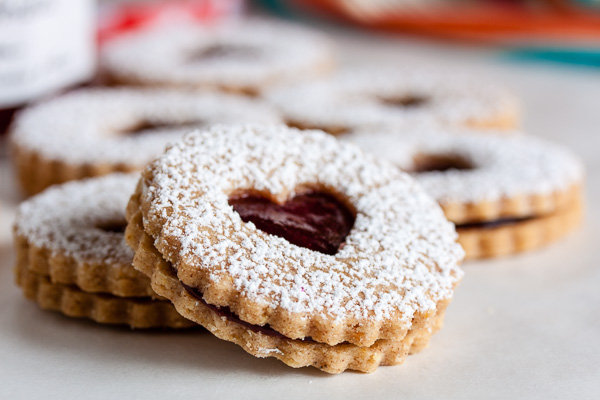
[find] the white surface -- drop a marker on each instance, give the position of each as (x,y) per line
(525,327)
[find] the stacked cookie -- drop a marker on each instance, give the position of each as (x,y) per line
(294,245)
(71,256)
(290,242)
(505,194)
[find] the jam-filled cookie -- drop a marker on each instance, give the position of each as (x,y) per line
(363,97)
(71,256)
(95,132)
(138,313)
(241,57)
(506,194)
(294,245)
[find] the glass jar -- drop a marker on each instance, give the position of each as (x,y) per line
(45,46)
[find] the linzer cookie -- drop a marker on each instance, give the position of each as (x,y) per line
(71,256)
(139,313)
(241,57)
(99,131)
(359,98)
(294,245)
(505,194)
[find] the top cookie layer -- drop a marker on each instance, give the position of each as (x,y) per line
(374,97)
(94,126)
(242,56)
(493,168)
(399,259)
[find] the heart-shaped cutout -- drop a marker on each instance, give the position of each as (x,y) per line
(315,220)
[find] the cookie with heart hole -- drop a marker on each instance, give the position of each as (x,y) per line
(294,245)
(93,132)
(370,97)
(506,194)
(244,56)
(71,256)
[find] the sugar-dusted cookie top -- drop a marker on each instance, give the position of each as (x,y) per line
(513,174)
(398,259)
(362,97)
(83,220)
(125,126)
(480,167)
(242,56)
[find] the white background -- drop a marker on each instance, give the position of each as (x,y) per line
(524,327)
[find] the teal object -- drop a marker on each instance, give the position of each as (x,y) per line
(589,3)
(277,7)
(581,57)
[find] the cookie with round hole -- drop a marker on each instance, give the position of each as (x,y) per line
(71,255)
(243,57)
(294,245)
(94,132)
(369,97)
(506,194)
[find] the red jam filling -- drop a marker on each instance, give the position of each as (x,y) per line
(493,224)
(227,313)
(316,221)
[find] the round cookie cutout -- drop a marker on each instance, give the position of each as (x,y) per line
(94,132)
(506,194)
(368,97)
(386,280)
(242,57)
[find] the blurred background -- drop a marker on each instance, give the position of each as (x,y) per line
(50,45)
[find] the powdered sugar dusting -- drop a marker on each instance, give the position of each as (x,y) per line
(504,166)
(87,126)
(400,256)
(354,98)
(272,52)
(65,219)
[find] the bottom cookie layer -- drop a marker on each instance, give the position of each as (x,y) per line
(519,236)
(295,353)
(102,308)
